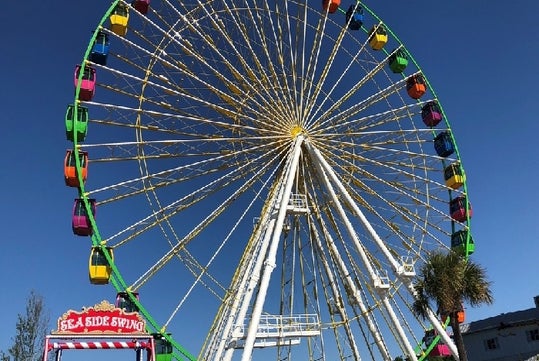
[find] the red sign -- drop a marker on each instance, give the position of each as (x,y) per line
(103,318)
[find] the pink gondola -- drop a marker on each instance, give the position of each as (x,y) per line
(439,352)
(87,85)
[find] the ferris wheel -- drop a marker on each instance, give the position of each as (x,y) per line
(260,179)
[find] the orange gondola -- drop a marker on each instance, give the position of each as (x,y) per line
(70,170)
(461,315)
(416,86)
(331,5)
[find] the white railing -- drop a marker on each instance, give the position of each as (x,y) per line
(297,203)
(279,326)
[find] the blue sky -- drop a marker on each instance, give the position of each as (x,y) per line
(479,56)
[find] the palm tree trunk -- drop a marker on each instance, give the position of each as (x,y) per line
(457,337)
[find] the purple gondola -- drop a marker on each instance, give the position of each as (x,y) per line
(141,6)
(80,221)
(431,114)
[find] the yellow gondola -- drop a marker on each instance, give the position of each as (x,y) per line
(378,37)
(454,176)
(118,20)
(98,266)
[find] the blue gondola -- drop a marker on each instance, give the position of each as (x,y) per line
(443,144)
(100,49)
(354,17)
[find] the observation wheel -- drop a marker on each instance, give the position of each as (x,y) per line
(266,176)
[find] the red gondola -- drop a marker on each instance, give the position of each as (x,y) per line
(457,209)
(70,170)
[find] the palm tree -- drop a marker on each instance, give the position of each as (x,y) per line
(448,280)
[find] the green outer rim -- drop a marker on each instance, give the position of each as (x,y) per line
(457,152)
(117,280)
(435,341)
